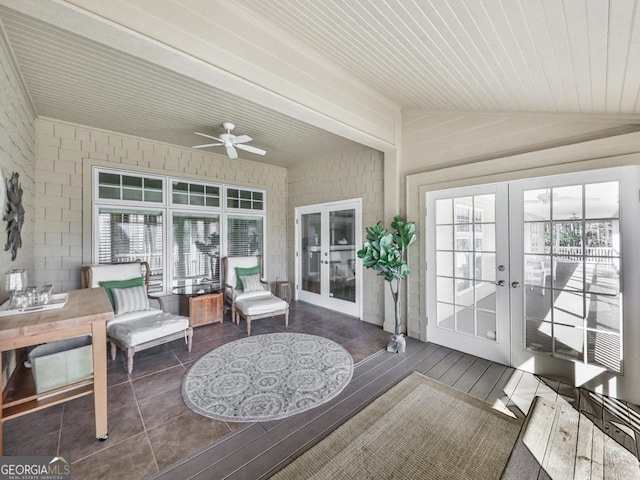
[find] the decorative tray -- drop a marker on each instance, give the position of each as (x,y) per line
(56,301)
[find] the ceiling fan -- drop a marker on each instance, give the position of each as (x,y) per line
(545,197)
(230,142)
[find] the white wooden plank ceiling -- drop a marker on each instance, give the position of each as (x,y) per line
(575,56)
(78,80)
(574,62)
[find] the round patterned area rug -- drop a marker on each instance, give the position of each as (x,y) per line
(267,377)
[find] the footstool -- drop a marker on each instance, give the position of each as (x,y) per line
(261,307)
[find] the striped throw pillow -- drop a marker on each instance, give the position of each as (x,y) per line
(132,299)
(251,283)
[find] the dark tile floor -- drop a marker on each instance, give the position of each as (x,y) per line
(150,427)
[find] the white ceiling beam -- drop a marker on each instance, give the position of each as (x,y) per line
(343,120)
(602,118)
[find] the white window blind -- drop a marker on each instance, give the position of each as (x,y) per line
(196,248)
(130,235)
(245,235)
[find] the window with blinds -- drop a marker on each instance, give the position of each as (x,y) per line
(181,227)
(196,248)
(128,235)
(245,235)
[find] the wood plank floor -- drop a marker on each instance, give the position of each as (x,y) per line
(258,450)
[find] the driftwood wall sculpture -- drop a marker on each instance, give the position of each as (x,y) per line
(14,215)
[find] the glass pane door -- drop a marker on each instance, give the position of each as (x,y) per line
(571,237)
(529,273)
(327,268)
(469,278)
(571,253)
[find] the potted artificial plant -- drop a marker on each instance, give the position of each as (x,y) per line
(385,253)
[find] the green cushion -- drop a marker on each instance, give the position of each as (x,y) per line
(245,271)
(132,282)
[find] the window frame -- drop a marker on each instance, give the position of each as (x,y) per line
(133,203)
(230,209)
(220,187)
(168,208)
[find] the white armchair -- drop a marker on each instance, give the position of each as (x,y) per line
(233,291)
(136,325)
(249,295)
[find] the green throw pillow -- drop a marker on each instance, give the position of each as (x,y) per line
(245,271)
(132,282)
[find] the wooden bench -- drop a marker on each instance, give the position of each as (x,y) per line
(557,442)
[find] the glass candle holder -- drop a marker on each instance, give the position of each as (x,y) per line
(15,280)
(32,296)
(44,294)
(19,300)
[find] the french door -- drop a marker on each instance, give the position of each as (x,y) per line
(570,236)
(530,273)
(468,275)
(328,272)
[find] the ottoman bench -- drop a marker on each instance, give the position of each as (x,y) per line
(261,307)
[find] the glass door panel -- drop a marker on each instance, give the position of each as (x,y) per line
(311,252)
(342,255)
(473,250)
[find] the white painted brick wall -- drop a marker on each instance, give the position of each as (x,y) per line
(17,154)
(353,173)
(64,148)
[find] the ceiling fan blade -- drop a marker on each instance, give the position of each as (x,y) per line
(242,139)
(207,136)
(208,145)
(231,152)
(249,148)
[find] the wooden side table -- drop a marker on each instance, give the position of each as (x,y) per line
(283,290)
(202,309)
(202,305)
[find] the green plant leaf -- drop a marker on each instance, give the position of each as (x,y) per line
(384,252)
(386,241)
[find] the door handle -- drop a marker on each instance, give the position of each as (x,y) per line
(515,284)
(501,283)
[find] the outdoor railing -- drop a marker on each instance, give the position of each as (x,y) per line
(606,255)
